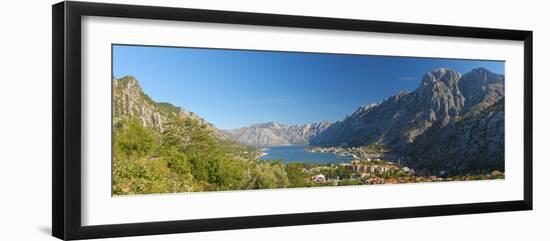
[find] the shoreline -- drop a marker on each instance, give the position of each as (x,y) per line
(299,154)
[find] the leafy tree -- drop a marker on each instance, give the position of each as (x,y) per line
(133,140)
(296,176)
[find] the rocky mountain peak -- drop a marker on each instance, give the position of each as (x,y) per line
(443,94)
(127,82)
(481,88)
(438,95)
(130,101)
(362,110)
(445,75)
(271,124)
(483,76)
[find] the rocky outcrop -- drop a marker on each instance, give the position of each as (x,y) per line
(458,145)
(129,101)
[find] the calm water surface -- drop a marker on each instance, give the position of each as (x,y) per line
(297,153)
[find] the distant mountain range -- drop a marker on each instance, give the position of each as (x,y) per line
(274,134)
(449,121)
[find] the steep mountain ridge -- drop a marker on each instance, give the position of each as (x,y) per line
(129,100)
(397,121)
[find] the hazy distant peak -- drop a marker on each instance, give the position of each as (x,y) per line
(271,124)
(276,134)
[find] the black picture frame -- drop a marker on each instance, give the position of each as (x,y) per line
(66,127)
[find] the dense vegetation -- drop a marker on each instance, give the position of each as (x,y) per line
(185,158)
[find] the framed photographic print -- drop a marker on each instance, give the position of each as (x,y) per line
(170,120)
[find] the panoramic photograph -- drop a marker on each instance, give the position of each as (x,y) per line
(202,119)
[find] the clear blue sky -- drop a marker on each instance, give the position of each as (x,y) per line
(236,88)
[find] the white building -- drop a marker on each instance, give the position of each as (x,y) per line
(320,178)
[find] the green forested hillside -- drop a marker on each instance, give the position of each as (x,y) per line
(159,148)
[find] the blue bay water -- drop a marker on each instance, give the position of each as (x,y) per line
(296,153)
